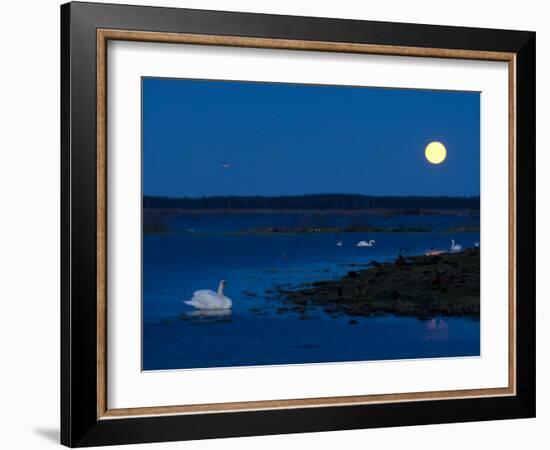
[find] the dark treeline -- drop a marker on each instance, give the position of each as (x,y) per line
(313,201)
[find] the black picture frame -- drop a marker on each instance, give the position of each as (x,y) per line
(80,425)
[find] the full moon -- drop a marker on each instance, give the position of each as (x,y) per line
(435,152)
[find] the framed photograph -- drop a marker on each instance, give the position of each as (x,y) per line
(276,224)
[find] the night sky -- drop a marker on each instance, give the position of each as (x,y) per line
(203,138)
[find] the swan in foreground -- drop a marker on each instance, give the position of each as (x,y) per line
(366,244)
(207,299)
(455,247)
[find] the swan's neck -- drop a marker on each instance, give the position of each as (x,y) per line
(220,290)
(453,242)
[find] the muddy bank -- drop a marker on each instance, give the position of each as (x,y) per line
(419,286)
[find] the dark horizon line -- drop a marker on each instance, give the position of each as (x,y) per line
(313,201)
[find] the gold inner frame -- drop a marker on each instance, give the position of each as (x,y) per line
(104,35)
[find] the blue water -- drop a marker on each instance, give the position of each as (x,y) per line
(201,250)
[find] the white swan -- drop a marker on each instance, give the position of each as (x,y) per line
(366,244)
(207,299)
(339,243)
(476,244)
(455,247)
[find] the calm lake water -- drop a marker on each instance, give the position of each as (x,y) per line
(202,249)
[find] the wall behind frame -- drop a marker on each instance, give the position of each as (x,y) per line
(29,225)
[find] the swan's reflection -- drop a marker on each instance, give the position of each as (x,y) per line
(209,313)
(436,329)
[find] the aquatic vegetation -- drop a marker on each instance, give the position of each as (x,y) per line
(250,294)
(155,222)
(334,229)
(463,229)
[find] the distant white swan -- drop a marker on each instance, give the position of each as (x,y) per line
(476,244)
(207,299)
(339,243)
(366,244)
(455,247)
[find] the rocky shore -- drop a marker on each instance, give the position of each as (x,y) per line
(418,286)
